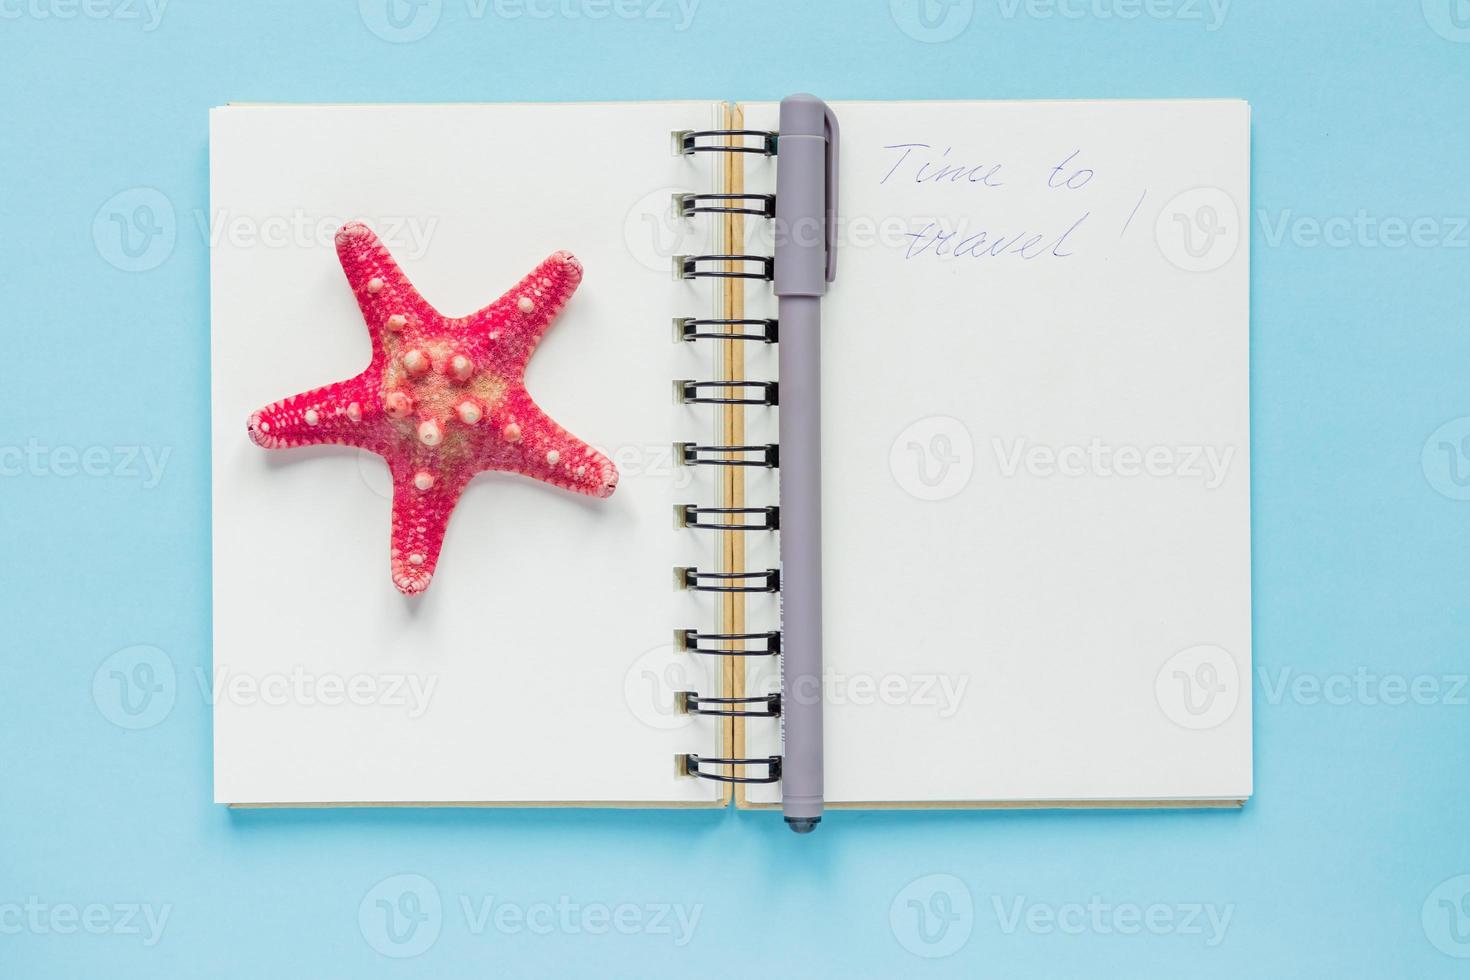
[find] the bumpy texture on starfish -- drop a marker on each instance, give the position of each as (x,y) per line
(444,398)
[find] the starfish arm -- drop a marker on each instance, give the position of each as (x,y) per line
(423,499)
(515,323)
(348,413)
(389,302)
(534,445)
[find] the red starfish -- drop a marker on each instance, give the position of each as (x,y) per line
(443,399)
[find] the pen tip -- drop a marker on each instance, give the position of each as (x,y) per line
(803,825)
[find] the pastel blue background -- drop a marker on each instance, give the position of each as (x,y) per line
(1360,352)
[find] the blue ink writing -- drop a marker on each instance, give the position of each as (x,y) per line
(934,240)
(1073,180)
(925,168)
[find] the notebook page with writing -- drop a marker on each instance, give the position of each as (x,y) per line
(1036,455)
(531,670)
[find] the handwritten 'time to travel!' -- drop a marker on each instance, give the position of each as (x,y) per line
(923,163)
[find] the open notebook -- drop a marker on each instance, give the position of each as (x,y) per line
(1035,441)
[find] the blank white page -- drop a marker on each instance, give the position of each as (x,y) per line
(1036,454)
(537,667)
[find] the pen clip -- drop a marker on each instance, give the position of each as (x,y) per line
(806,197)
(833,139)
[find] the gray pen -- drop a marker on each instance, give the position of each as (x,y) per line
(805,261)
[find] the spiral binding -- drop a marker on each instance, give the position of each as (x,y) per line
(687,141)
(688,392)
(694,580)
(689,328)
(688,515)
(690,641)
(760,205)
(691,703)
(692,764)
(721,519)
(691,454)
(761,267)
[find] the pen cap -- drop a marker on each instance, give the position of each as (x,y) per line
(806,197)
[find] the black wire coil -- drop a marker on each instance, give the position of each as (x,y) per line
(692,579)
(690,515)
(755,267)
(692,641)
(692,765)
(690,328)
(687,141)
(688,392)
(689,454)
(764,706)
(760,205)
